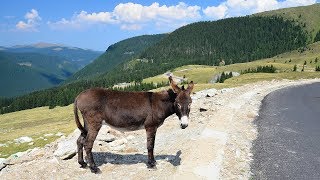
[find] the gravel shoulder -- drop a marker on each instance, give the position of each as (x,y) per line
(216,145)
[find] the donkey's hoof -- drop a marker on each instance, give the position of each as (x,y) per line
(83,164)
(152,164)
(95,170)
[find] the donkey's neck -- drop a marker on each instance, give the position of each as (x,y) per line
(167,99)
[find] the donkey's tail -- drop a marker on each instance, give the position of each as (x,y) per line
(76,117)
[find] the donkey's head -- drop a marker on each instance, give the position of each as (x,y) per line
(182,102)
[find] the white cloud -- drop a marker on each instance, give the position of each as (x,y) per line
(31,23)
(231,8)
(218,12)
(131,27)
(82,20)
(130,12)
(101,17)
(132,16)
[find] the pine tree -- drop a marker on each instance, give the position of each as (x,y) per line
(295,67)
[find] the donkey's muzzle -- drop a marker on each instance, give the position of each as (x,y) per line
(183,126)
(184,122)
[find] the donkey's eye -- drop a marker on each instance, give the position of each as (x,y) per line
(189,105)
(179,106)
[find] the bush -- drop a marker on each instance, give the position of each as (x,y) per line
(224,76)
(261,69)
(295,67)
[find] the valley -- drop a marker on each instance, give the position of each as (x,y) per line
(28,68)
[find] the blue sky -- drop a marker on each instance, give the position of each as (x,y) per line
(96,24)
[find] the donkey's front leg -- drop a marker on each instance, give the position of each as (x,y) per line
(151,134)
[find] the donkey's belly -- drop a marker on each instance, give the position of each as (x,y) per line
(127,128)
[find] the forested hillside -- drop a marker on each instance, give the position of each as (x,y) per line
(232,40)
(307,17)
(21,73)
(117,53)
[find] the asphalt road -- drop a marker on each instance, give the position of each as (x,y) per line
(288,144)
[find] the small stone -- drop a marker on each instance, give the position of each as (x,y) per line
(3,163)
(130,137)
(54,160)
(118,148)
(238,153)
(118,142)
(30,144)
(67,147)
(203,109)
(48,135)
(109,159)
(24,139)
(59,134)
(106,137)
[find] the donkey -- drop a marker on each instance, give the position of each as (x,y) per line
(128,111)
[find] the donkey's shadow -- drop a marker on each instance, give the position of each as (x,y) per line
(112,158)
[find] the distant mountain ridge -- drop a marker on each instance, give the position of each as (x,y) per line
(80,57)
(27,68)
(22,73)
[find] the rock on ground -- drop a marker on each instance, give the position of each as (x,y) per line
(24,139)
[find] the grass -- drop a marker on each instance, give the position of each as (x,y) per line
(284,63)
(34,123)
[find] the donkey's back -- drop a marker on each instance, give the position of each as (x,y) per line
(121,110)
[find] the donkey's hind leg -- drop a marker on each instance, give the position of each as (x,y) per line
(80,143)
(93,129)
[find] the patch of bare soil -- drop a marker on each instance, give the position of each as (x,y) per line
(216,144)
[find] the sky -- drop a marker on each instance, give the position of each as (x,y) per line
(96,24)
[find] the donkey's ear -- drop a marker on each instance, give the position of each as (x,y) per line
(174,86)
(190,87)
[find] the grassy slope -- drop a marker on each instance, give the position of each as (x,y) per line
(203,74)
(310,15)
(34,123)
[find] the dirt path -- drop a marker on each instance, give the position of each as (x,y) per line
(216,144)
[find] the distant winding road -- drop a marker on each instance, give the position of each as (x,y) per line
(288,144)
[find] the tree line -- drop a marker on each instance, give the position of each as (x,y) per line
(260,69)
(64,95)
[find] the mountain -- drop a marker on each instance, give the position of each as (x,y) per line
(77,56)
(232,40)
(27,68)
(117,53)
(22,73)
